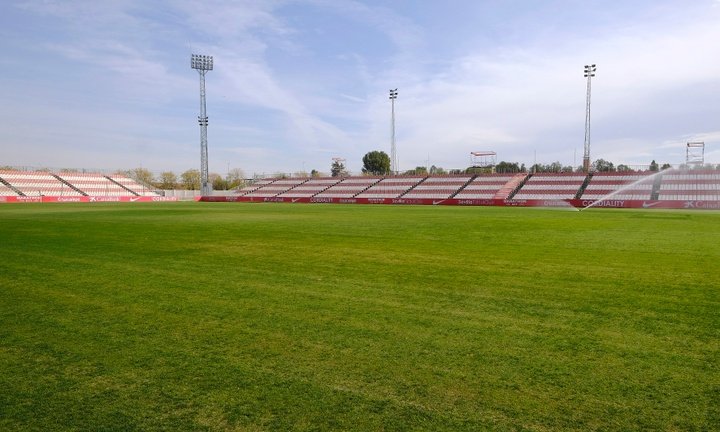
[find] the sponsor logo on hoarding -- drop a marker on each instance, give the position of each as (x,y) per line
(3,199)
(295,200)
(554,203)
(650,204)
(69,199)
(274,199)
(605,203)
(376,200)
(474,202)
(322,200)
(406,201)
(344,200)
(438,202)
(134,199)
(701,205)
(162,198)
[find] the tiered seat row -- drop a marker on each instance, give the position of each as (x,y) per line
(6,191)
(701,185)
(37,183)
(484,186)
(348,188)
(255,186)
(275,188)
(620,186)
(134,186)
(551,186)
(94,184)
(40,183)
(390,187)
(437,187)
(310,188)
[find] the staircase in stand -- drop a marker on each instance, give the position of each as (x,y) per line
(585,184)
(460,189)
(655,194)
(13,188)
(512,186)
(402,195)
(70,185)
(122,186)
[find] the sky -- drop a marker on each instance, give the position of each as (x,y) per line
(108,84)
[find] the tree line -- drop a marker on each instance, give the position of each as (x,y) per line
(188,180)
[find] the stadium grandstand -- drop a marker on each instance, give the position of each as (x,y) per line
(41,183)
(438,187)
(391,187)
(349,187)
(488,186)
(700,188)
(620,185)
(696,186)
(551,186)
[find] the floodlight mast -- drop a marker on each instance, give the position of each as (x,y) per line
(589,73)
(393,151)
(203,64)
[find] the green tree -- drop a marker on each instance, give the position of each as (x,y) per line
(315,173)
(190,179)
(376,163)
(434,170)
(235,178)
(141,175)
(419,170)
(217,181)
(507,167)
(337,169)
(653,165)
(623,168)
(478,170)
(666,166)
(601,165)
(168,180)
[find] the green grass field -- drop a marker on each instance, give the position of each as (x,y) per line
(249,317)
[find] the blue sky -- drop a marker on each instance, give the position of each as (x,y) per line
(107,84)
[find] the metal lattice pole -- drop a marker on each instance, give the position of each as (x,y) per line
(203,64)
(589,73)
(393,151)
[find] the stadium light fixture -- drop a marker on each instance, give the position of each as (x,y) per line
(393,151)
(203,64)
(589,74)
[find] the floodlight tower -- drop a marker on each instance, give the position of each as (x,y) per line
(393,152)
(589,73)
(203,63)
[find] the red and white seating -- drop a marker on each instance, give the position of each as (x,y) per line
(94,184)
(133,186)
(619,185)
(255,186)
(484,186)
(391,187)
(37,183)
(551,186)
(690,185)
(275,188)
(6,191)
(348,188)
(437,187)
(310,188)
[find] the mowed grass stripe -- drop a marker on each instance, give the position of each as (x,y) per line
(310,317)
